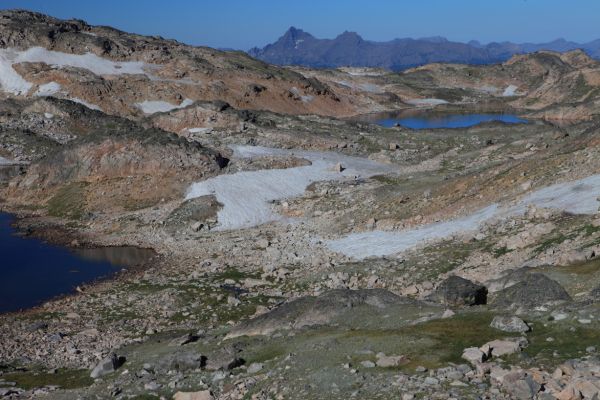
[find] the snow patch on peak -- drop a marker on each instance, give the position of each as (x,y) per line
(426,102)
(5,161)
(85,103)
(12,82)
(89,61)
(510,90)
(48,89)
(155,106)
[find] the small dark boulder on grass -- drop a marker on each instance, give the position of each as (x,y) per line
(458,292)
(533,290)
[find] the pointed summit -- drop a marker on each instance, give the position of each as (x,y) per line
(351,37)
(294,34)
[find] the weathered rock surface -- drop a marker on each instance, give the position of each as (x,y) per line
(533,290)
(320,310)
(107,365)
(510,324)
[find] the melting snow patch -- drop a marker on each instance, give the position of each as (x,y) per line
(371,88)
(199,130)
(154,106)
(489,89)
(577,197)
(246,196)
(89,61)
(381,243)
(12,82)
(85,103)
(5,161)
(48,89)
(510,91)
(426,102)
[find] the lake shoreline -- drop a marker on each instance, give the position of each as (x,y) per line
(28,225)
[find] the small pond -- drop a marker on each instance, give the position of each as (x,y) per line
(32,271)
(433,120)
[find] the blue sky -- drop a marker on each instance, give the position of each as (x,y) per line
(243,24)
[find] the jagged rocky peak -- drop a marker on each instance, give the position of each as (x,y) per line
(293,34)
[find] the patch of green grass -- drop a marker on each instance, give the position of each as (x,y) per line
(246,309)
(265,353)
(431,344)
(447,256)
(234,274)
(387,179)
(451,336)
(569,342)
(65,378)
(368,144)
(590,229)
(69,201)
(553,241)
(500,251)
(131,204)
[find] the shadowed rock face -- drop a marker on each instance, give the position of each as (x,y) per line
(456,291)
(533,290)
(321,310)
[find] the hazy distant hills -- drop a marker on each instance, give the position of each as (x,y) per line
(297,47)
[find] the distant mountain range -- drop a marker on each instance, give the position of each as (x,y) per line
(297,47)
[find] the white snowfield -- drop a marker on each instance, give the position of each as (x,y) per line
(85,103)
(426,102)
(510,90)
(246,195)
(12,82)
(155,106)
(5,161)
(577,197)
(199,130)
(48,89)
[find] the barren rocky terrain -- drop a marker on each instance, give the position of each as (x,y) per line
(302,251)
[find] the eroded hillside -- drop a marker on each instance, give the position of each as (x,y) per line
(300,254)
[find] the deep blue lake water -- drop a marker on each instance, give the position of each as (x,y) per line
(436,120)
(32,271)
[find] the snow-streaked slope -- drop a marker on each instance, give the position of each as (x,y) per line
(5,161)
(510,90)
(577,197)
(85,103)
(381,243)
(48,89)
(426,102)
(12,82)
(246,195)
(89,61)
(154,106)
